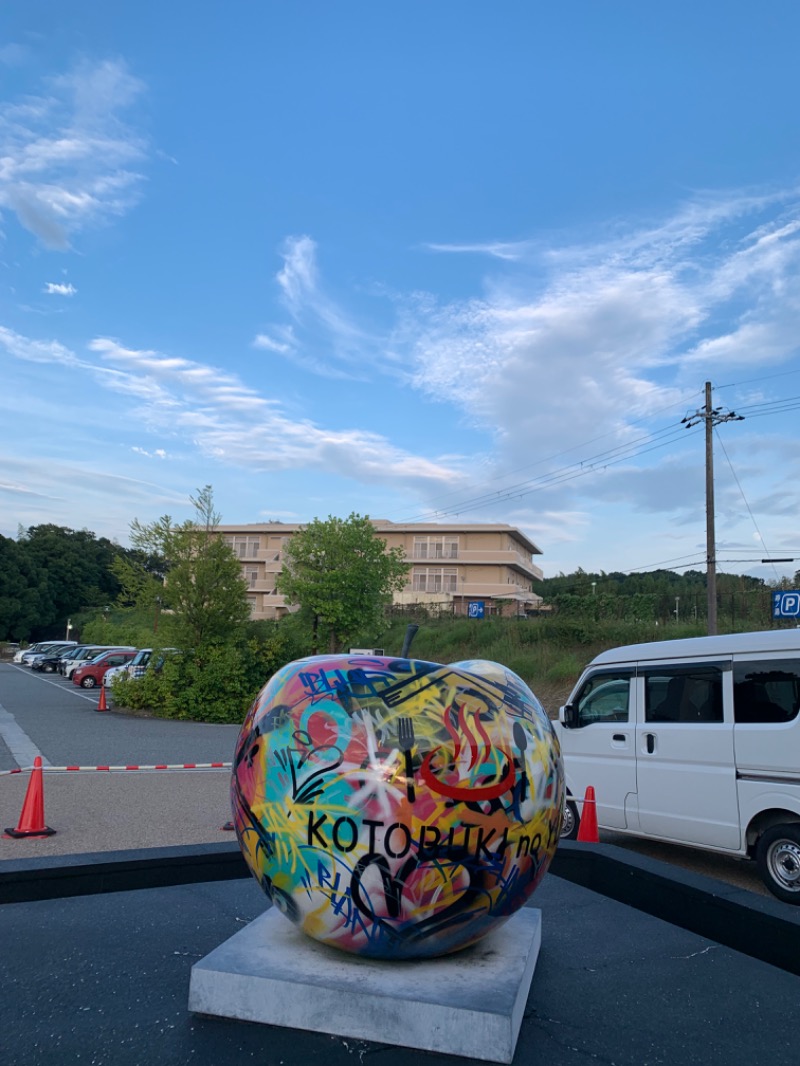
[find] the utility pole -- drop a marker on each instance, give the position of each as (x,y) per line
(712,416)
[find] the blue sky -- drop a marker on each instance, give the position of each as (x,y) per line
(421,261)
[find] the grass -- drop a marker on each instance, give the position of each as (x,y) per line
(548,654)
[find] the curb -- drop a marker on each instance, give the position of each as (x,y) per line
(62,876)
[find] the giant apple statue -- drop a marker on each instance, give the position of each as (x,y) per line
(396,808)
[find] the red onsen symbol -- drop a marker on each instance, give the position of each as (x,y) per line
(468,792)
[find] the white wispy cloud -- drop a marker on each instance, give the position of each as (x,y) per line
(510,250)
(606,335)
(34,351)
(109,493)
(159,453)
(270,344)
(320,323)
(54,288)
(67,157)
(232,422)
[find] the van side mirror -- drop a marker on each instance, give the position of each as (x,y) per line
(568,715)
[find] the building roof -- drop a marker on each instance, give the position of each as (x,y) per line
(384,525)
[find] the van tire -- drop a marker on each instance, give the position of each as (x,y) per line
(570,821)
(778,860)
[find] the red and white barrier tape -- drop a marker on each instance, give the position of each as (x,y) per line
(117,769)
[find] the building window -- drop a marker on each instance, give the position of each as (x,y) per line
(437,547)
(251,576)
(252,601)
(244,547)
(434,579)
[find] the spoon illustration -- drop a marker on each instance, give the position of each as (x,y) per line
(521,740)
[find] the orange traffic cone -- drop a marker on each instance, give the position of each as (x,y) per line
(587,830)
(101,706)
(31,819)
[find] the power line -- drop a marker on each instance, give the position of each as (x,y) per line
(465,504)
(601,461)
(747,505)
(763,377)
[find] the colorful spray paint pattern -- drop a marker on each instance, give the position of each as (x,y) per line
(395,808)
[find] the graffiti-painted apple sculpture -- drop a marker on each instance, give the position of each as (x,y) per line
(395,808)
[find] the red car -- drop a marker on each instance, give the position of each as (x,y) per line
(92,673)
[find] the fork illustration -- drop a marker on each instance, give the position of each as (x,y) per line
(405,738)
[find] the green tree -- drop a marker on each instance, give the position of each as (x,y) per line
(67,571)
(342,576)
(20,596)
(203,596)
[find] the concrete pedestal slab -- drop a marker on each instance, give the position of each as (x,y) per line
(470,1003)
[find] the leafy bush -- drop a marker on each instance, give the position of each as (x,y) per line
(214,684)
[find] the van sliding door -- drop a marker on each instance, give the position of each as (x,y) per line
(685,772)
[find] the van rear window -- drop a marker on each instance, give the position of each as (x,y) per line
(766,692)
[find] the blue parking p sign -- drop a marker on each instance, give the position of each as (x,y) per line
(475,609)
(786,604)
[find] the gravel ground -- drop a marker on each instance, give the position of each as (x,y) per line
(116,811)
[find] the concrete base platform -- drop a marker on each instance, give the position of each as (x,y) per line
(470,1003)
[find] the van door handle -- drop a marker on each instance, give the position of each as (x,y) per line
(619,737)
(650,739)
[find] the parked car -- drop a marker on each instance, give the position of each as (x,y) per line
(47,661)
(114,672)
(25,655)
(72,654)
(144,659)
(91,673)
(34,658)
(90,651)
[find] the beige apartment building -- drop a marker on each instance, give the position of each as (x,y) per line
(464,569)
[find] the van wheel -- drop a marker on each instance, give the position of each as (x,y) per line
(569,822)
(778,859)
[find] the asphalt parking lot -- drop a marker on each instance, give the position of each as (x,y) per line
(98,810)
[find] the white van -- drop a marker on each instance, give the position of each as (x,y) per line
(694,742)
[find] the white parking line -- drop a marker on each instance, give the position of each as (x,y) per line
(22,748)
(73,689)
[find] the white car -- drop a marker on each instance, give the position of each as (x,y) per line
(114,672)
(25,656)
